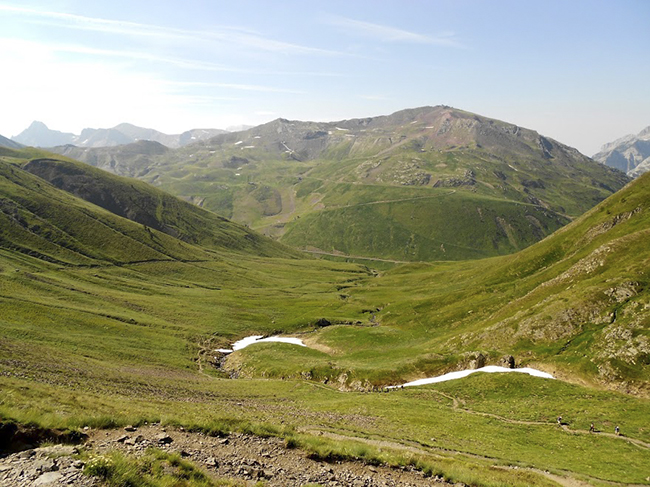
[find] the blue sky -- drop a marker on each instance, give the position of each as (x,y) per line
(575,70)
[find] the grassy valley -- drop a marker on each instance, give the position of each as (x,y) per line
(115,298)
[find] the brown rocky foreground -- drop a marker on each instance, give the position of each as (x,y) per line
(245,459)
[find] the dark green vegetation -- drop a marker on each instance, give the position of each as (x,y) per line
(107,322)
(424,184)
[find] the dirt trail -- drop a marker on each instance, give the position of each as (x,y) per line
(250,459)
(244,459)
(456,406)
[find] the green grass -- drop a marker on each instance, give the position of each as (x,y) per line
(156,468)
(91,338)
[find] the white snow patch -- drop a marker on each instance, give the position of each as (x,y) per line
(239,142)
(464,373)
(414,121)
(428,127)
(193,137)
(223,350)
(257,137)
(339,128)
(212,151)
(245,342)
(237,174)
(512,167)
(248,147)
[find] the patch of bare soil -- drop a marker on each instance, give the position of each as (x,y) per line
(249,460)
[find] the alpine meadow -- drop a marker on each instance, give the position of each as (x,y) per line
(429,296)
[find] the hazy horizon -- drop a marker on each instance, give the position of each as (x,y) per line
(572,71)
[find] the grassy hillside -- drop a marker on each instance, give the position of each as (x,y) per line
(42,221)
(299,181)
(91,336)
(151,208)
(574,304)
(441,224)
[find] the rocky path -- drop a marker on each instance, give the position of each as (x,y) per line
(243,458)
(48,466)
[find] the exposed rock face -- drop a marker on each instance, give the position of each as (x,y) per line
(630,154)
(473,360)
(507,361)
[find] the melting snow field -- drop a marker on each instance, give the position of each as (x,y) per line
(464,373)
(244,342)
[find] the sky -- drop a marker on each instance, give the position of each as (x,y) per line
(576,71)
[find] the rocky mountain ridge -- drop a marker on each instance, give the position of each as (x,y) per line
(39,135)
(311,183)
(630,154)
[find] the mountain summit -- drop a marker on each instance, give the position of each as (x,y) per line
(630,154)
(39,135)
(429,183)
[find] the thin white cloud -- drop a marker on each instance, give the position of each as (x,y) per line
(387,33)
(20,44)
(235,86)
(122,54)
(228,35)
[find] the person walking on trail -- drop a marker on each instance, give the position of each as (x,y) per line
(559,420)
(591,428)
(617,430)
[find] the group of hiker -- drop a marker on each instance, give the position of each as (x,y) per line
(592,429)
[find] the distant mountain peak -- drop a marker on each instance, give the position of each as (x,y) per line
(39,135)
(630,154)
(645,133)
(37,125)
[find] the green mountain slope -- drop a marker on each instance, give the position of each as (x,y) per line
(302,181)
(39,220)
(90,337)
(575,304)
(44,220)
(153,208)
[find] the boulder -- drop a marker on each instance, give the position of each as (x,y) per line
(164,439)
(507,361)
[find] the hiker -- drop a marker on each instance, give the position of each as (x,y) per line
(617,431)
(591,428)
(559,420)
